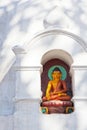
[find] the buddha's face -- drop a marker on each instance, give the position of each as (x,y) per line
(56,75)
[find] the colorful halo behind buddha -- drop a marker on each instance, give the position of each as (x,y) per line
(61,68)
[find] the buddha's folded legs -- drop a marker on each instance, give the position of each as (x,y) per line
(56,97)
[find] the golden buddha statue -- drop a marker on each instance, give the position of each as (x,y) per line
(56,88)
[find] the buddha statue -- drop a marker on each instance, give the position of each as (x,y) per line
(56,88)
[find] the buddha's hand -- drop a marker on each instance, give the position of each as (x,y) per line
(59,94)
(55,93)
(48,97)
(62,94)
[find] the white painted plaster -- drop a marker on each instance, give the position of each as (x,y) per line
(21,23)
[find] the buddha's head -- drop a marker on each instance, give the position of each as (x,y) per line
(56,74)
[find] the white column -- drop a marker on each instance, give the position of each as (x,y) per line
(80,95)
(27,94)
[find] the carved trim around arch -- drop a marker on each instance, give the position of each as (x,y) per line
(56,31)
(57,53)
(49,60)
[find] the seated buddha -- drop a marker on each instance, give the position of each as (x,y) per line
(56,88)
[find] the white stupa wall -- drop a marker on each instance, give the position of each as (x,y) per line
(20,21)
(28,94)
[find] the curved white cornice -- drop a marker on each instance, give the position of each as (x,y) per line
(56,31)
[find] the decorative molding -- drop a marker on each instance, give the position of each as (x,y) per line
(79,98)
(18,99)
(28,68)
(21,99)
(77,67)
(56,31)
(19,50)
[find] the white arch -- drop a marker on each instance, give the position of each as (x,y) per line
(56,31)
(57,53)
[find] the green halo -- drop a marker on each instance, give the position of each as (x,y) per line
(62,69)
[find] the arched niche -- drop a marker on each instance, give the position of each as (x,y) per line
(63,60)
(49,40)
(57,53)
